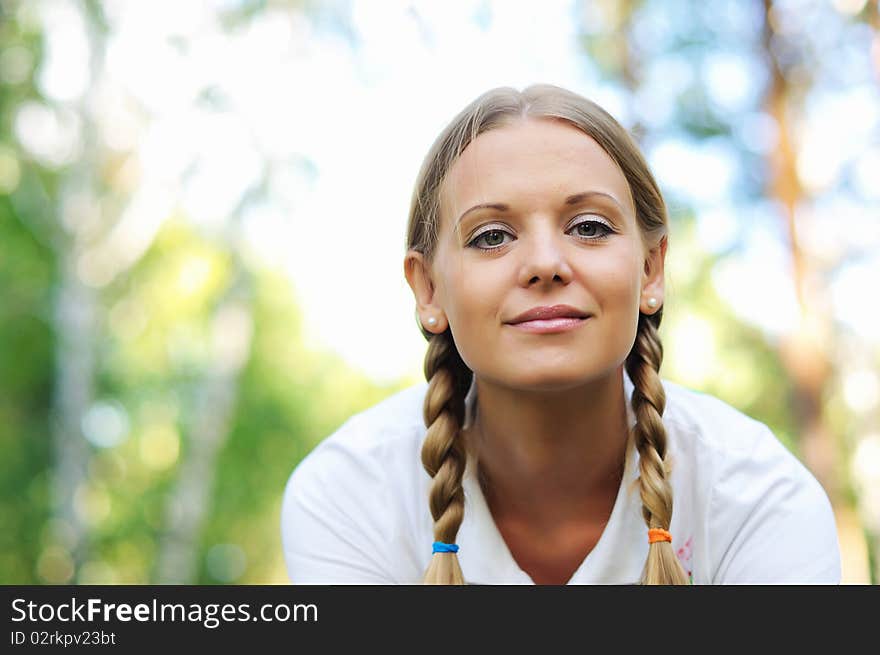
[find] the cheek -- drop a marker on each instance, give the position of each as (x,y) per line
(468,304)
(615,279)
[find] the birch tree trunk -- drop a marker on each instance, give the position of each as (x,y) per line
(74,316)
(213,411)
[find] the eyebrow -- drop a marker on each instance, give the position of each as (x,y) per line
(571,200)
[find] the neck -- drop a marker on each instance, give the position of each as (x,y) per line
(546,457)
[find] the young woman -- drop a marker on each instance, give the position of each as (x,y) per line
(544,447)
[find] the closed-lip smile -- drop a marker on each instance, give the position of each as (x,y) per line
(548,312)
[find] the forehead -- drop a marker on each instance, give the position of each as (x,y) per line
(530,160)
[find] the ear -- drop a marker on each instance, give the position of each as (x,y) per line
(653,278)
(419,276)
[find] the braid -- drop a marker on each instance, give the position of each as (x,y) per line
(443,453)
(649,434)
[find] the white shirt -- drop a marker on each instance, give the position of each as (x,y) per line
(745,510)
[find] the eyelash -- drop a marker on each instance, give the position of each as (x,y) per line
(602,224)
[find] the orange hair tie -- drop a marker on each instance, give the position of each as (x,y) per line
(658,534)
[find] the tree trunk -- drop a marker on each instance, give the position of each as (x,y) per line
(74,319)
(75,326)
(804,352)
(213,410)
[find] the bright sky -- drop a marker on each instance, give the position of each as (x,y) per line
(364,117)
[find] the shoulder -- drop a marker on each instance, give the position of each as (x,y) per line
(343,500)
(737,446)
(713,432)
(768,518)
(705,421)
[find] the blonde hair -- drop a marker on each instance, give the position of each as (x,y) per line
(443,453)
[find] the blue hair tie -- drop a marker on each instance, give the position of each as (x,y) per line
(440,547)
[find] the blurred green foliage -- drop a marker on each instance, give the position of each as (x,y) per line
(26,375)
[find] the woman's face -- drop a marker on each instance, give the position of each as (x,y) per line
(561,230)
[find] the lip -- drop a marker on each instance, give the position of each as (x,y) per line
(549,319)
(549,325)
(547,313)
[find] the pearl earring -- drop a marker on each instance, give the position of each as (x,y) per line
(653,302)
(432,321)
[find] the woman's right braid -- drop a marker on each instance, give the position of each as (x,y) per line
(443,453)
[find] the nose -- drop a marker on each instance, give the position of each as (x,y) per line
(545,260)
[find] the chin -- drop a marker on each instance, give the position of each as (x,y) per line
(544,379)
